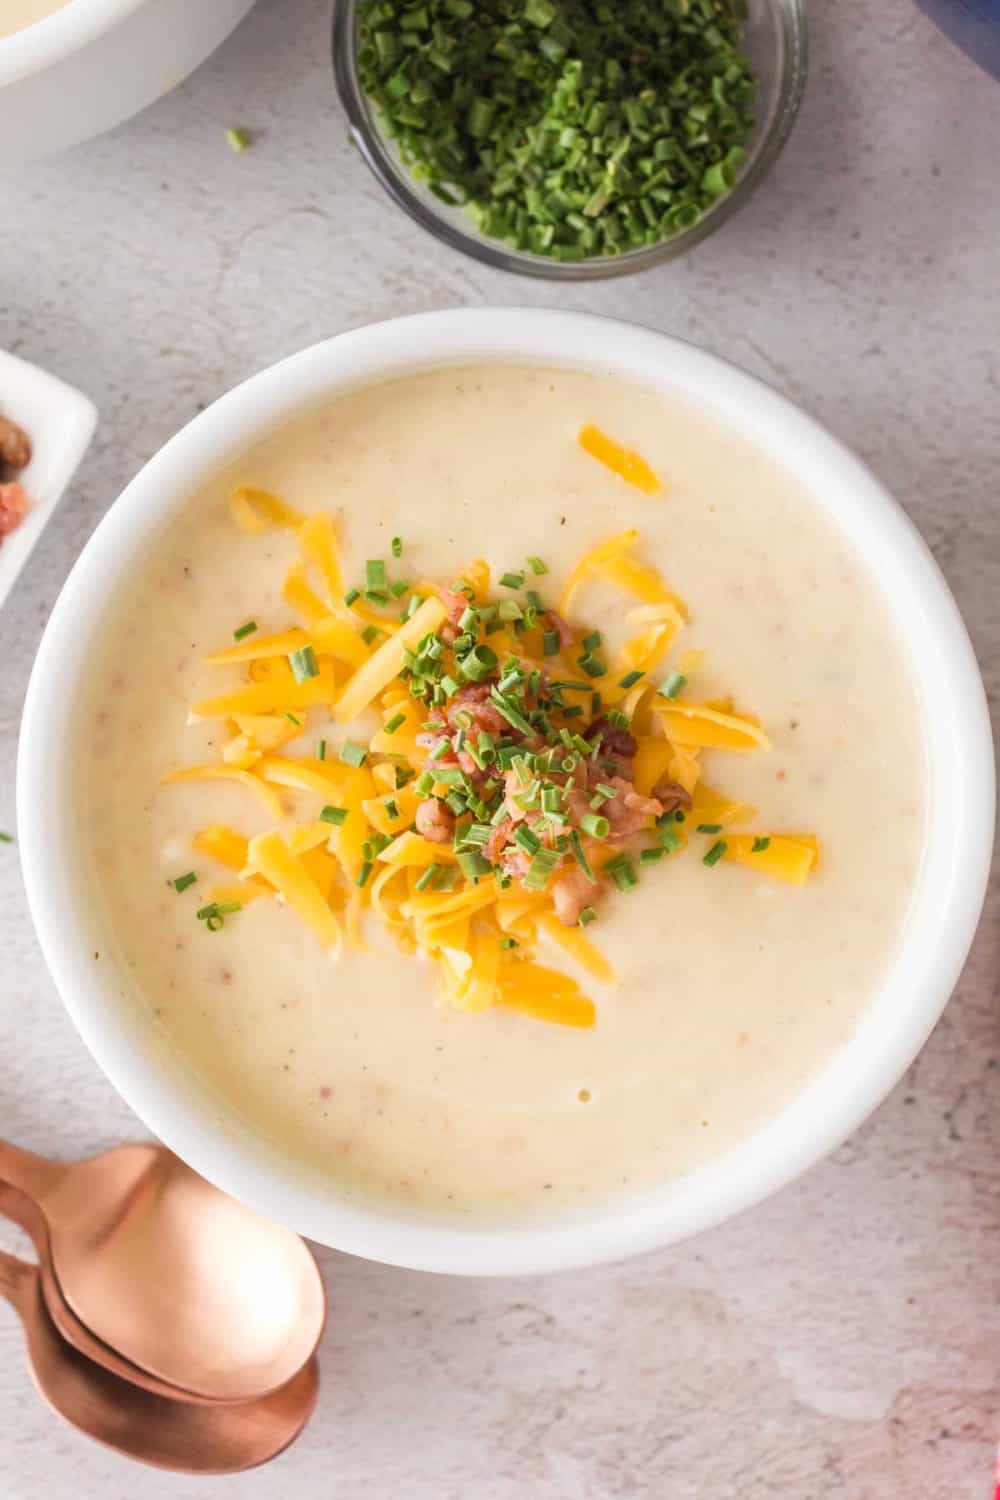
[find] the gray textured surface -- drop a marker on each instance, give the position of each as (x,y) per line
(844,1340)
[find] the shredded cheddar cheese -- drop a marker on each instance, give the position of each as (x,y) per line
(431,805)
(622,461)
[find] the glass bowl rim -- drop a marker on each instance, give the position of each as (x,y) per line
(392,174)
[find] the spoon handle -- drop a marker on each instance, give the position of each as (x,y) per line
(34,1175)
(16,1279)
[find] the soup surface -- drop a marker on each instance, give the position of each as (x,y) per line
(15,15)
(732,989)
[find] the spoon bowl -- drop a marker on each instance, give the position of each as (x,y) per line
(178,1279)
(22,1210)
(191,1439)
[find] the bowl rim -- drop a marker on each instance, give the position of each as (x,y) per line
(949,889)
(391,173)
(47,41)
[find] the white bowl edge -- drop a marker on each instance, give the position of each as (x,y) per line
(946,902)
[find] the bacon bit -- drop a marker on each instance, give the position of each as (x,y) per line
(473,699)
(614,740)
(563,630)
(455,605)
(672,795)
(13,507)
(570,894)
(498,839)
(435,821)
(627,811)
(15,445)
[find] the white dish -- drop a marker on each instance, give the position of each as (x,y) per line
(94,63)
(60,422)
(946,901)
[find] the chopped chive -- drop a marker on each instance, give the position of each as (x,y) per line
(351,596)
(591,665)
(539,872)
(378,597)
(592,641)
(479,663)
(512,580)
(508,942)
(670,839)
(375,575)
(595,825)
(709,828)
(472,864)
(424,784)
(303,664)
(353,754)
(292,719)
(392,808)
(428,877)
(397,546)
(369,633)
(576,848)
(672,684)
(449,685)
(239,138)
(398,588)
(651,856)
(413,606)
(440,750)
(587,916)
(396,722)
(245,630)
(759,845)
(509,609)
(527,840)
(180,884)
(321,749)
(364,873)
(537,566)
(622,872)
(630,679)
(335,815)
(550,643)
(6,838)
(716,852)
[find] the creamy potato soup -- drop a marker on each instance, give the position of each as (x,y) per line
(729,987)
(15,15)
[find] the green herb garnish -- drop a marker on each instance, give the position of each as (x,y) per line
(183,881)
(303,664)
(353,754)
(716,852)
(245,630)
(567,128)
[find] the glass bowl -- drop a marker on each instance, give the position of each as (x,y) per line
(775,39)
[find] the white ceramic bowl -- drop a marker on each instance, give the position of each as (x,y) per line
(95,63)
(945,906)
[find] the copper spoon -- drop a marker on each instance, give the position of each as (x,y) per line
(167,1434)
(178,1278)
(23,1210)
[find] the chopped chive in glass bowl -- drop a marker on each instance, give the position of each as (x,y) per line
(570,139)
